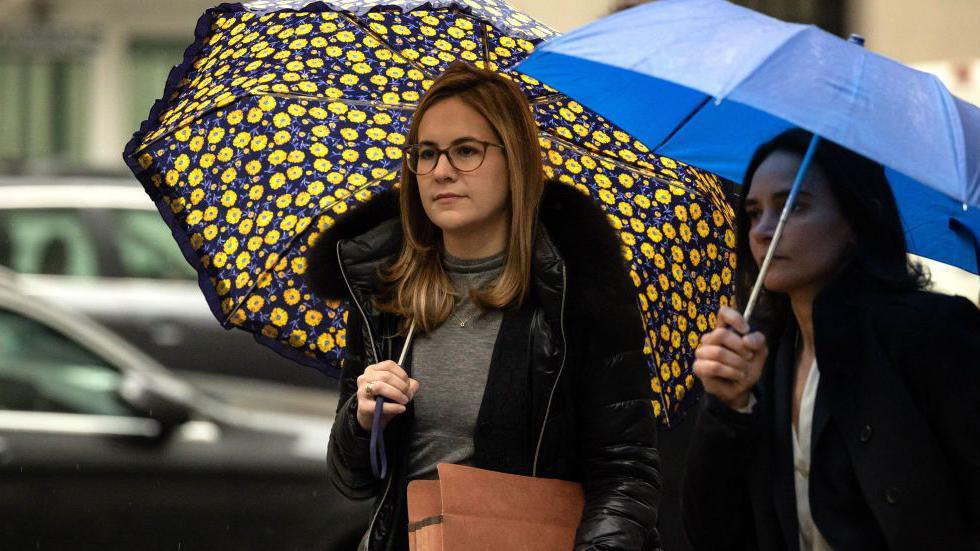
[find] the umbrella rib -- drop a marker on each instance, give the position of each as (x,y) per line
(683,123)
(542,100)
(620,163)
(174,129)
(485,39)
(261,92)
(484,46)
(285,250)
(367,30)
(351,102)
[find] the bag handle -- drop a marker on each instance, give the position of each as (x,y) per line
(379,458)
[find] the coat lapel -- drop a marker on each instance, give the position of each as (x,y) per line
(784,485)
(835,330)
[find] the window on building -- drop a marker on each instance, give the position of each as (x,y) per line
(150,65)
(43,106)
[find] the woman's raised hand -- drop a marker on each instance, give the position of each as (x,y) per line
(390,381)
(728,362)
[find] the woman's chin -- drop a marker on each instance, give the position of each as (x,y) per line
(464,221)
(451,221)
(780,283)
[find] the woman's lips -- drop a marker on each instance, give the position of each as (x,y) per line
(447,197)
(778,257)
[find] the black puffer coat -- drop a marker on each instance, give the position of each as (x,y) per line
(568,393)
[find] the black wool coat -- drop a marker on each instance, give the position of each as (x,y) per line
(895,453)
(568,393)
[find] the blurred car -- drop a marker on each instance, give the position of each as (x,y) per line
(103,448)
(99,246)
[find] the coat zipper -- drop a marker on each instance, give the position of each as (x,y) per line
(374,351)
(367,323)
(374,517)
(564,354)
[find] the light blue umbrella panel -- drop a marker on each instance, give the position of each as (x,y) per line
(706,82)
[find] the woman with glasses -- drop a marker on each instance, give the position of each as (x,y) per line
(528,355)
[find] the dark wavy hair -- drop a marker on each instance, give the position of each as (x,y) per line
(876,260)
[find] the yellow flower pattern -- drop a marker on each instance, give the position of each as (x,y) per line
(285,117)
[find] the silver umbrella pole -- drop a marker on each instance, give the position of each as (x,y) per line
(408,343)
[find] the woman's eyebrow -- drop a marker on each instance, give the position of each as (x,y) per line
(454,142)
(778,196)
(785,194)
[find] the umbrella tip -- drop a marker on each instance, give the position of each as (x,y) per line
(855,38)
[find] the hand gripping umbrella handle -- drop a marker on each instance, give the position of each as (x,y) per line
(379,458)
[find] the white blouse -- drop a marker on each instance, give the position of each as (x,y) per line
(810,537)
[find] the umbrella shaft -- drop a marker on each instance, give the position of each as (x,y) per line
(408,342)
(787,209)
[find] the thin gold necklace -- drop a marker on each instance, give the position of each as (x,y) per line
(463,322)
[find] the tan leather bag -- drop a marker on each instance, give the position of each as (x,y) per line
(475,510)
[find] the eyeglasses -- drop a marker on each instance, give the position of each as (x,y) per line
(465,156)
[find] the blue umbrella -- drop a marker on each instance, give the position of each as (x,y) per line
(708,81)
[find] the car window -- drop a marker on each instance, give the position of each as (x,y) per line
(47,241)
(146,247)
(43,370)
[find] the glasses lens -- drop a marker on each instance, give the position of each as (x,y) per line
(422,159)
(467,156)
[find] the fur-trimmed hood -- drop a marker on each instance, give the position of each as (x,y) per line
(577,235)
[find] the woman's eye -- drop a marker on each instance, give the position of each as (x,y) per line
(752,214)
(426,154)
(465,150)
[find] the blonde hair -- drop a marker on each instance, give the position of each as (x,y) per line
(416,286)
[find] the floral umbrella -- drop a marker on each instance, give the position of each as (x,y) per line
(284,115)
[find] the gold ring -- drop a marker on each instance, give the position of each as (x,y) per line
(369,389)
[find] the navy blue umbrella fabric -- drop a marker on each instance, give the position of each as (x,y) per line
(285,115)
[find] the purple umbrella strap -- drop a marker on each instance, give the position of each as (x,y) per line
(379,458)
(378,455)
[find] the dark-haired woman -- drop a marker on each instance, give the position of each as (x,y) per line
(851,418)
(524,363)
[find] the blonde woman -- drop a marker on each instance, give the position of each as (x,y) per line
(528,350)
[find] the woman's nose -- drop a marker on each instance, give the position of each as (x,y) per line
(763,228)
(443,169)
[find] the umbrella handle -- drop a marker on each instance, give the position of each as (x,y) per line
(379,457)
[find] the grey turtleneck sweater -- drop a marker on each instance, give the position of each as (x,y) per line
(451,365)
